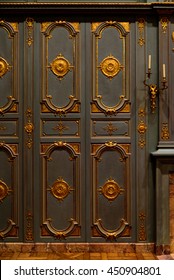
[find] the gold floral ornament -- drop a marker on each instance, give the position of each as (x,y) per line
(4,190)
(4,67)
(111,190)
(60,66)
(60,189)
(110,66)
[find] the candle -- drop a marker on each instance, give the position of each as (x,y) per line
(164,71)
(149,66)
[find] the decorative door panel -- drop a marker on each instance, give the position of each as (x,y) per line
(9,132)
(66,144)
(110,127)
(61,138)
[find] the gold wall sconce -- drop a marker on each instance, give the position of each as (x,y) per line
(153,89)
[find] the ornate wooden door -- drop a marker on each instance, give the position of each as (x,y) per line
(67,132)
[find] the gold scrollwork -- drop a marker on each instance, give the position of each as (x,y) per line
(29,22)
(165,135)
(60,66)
(110,128)
(4,67)
(164,23)
(114,234)
(111,190)
(141,25)
(141,128)
(4,190)
(142,232)
(60,189)
(110,66)
(29,127)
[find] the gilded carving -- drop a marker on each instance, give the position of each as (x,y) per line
(4,190)
(59,234)
(110,128)
(141,128)
(29,127)
(114,234)
(110,66)
(60,66)
(164,24)
(29,22)
(141,26)
(111,190)
(60,127)
(142,231)
(165,135)
(60,189)
(94,26)
(29,227)
(4,67)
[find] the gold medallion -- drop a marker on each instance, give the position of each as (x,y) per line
(4,67)
(60,189)
(110,66)
(4,190)
(60,66)
(111,190)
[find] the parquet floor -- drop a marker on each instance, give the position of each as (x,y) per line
(77,256)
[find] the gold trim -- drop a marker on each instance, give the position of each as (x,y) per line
(164,24)
(165,135)
(141,128)
(141,26)
(60,66)
(4,67)
(60,189)
(29,22)
(142,231)
(111,190)
(111,234)
(60,234)
(4,190)
(110,66)
(29,128)
(29,227)
(110,129)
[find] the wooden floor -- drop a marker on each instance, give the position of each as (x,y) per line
(77,256)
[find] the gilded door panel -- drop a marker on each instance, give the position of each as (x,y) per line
(111,132)
(60,67)
(60,132)
(9,132)
(9,190)
(8,66)
(110,66)
(111,190)
(61,207)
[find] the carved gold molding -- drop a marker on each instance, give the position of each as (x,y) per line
(4,190)
(110,66)
(60,234)
(164,24)
(110,190)
(29,227)
(29,22)
(29,127)
(141,26)
(9,229)
(60,189)
(142,231)
(4,67)
(141,128)
(165,135)
(60,66)
(112,235)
